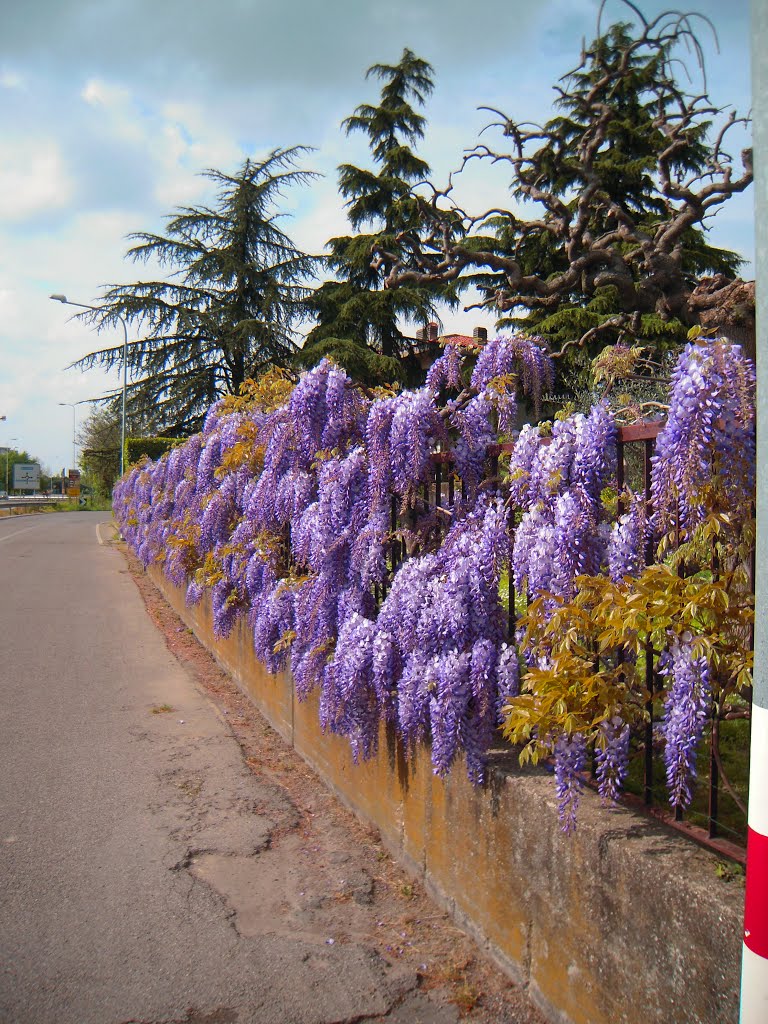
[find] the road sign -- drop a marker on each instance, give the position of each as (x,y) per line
(26,477)
(82,501)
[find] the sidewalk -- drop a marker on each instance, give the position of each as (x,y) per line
(165,859)
(325,877)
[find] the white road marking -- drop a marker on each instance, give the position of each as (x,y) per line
(100,539)
(16,533)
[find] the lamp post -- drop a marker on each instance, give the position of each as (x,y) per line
(74,443)
(7,454)
(4,417)
(84,305)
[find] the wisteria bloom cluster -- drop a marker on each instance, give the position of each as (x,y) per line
(307,523)
(709,436)
(286,517)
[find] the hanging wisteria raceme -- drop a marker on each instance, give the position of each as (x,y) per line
(570,759)
(504,367)
(686,706)
(526,358)
(440,631)
(507,679)
(562,533)
(524,457)
(323,542)
(445,372)
(626,546)
(582,452)
(709,436)
(473,422)
(612,758)
(401,433)
(324,412)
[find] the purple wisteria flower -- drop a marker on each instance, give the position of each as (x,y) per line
(612,759)
(476,434)
(445,372)
(709,433)
(686,706)
(570,757)
(524,457)
(626,546)
(284,517)
(527,358)
(508,679)
(561,534)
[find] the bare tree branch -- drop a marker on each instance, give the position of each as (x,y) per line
(621,187)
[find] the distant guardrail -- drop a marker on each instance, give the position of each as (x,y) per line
(33,500)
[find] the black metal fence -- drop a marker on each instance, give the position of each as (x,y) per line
(717,814)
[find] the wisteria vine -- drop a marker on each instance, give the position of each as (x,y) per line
(288,514)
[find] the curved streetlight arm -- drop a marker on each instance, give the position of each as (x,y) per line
(84,305)
(68,302)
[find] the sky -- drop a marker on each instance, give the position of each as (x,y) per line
(110,109)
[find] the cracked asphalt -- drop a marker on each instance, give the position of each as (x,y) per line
(150,872)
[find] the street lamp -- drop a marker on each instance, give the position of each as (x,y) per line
(7,453)
(84,305)
(74,444)
(4,417)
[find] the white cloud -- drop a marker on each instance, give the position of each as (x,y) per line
(99,93)
(33,178)
(11,80)
(188,144)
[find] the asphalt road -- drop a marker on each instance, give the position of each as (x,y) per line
(108,801)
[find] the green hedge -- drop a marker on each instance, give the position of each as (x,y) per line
(153,447)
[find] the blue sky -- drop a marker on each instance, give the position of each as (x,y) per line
(109,109)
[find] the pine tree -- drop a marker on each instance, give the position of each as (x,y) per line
(616,82)
(617,193)
(358,321)
(236,288)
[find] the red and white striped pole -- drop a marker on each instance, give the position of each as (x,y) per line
(754,965)
(754,972)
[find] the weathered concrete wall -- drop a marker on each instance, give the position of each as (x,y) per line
(626,922)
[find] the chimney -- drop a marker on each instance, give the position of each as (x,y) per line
(480,334)
(432,331)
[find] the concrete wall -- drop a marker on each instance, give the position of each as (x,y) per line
(625,922)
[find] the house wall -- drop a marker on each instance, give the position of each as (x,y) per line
(625,922)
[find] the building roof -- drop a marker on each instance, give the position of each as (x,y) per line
(459,340)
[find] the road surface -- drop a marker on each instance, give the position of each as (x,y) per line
(130,825)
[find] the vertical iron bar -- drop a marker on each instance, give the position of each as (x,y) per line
(494,467)
(511,615)
(393,544)
(439,497)
(714,775)
(649,676)
(620,455)
(714,733)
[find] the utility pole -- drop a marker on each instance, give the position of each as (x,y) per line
(754,973)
